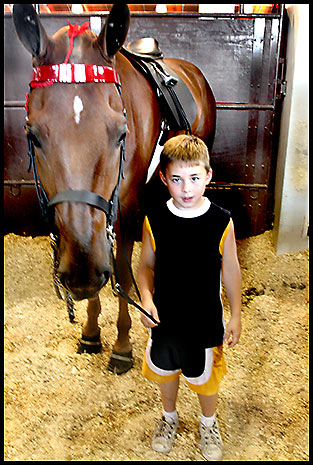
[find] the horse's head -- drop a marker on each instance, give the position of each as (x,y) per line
(77,129)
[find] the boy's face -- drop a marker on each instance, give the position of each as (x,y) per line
(186,183)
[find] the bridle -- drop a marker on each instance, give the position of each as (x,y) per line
(76,73)
(47,75)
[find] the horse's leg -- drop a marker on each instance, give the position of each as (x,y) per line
(122,358)
(122,343)
(90,341)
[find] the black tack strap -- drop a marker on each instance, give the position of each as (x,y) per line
(82,196)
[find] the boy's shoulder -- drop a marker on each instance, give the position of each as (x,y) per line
(219,210)
(156,209)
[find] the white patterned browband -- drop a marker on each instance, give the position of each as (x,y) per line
(74,73)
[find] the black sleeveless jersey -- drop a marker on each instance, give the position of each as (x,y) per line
(187,275)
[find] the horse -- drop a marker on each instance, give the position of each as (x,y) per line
(78,128)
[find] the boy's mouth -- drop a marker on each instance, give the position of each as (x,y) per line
(187,199)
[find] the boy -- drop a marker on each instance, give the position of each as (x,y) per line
(187,243)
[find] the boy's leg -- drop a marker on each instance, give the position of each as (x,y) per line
(169,392)
(211,442)
(208,404)
(165,431)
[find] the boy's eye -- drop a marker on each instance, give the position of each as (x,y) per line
(175,180)
(195,178)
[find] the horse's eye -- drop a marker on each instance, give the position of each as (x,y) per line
(122,137)
(35,141)
(33,138)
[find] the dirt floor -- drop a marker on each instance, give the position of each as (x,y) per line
(63,406)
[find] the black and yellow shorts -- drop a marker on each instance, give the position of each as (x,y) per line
(203,369)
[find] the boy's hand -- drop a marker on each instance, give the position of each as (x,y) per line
(152,310)
(233,329)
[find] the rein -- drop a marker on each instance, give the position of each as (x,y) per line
(69,73)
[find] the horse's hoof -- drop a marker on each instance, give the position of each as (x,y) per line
(120,362)
(89,345)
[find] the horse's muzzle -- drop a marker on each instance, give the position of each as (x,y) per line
(85,286)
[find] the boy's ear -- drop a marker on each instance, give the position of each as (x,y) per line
(209,176)
(163,178)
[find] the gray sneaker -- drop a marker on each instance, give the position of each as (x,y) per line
(164,435)
(211,443)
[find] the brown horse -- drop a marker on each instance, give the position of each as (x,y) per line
(77,129)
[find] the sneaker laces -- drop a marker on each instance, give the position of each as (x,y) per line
(164,428)
(211,433)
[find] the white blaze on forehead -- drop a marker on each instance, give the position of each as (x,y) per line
(78,108)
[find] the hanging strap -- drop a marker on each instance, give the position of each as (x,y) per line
(42,196)
(117,289)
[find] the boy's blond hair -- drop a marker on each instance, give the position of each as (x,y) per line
(186,148)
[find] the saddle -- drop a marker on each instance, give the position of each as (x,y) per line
(175,100)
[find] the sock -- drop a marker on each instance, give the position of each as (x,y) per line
(207,421)
(170,416)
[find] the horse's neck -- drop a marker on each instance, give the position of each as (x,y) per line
(137,90)
(142,108)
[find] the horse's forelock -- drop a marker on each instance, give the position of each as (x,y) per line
(84,50)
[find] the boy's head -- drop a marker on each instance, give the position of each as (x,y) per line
(185,148)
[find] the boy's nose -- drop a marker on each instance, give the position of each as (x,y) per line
(186,187)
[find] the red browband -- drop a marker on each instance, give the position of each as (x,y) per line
(74,73)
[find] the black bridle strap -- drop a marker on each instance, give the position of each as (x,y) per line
(93,199)
(90,198)
(41,194)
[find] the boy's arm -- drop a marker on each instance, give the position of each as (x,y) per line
(232,283)
(145,277)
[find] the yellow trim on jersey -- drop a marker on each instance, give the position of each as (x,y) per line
(148,227)
(221,246)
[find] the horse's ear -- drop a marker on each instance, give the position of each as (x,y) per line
(29,29)
(114,31)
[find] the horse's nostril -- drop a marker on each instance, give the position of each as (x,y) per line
(104,269)
(63,279)
(106,276)
(105,273)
